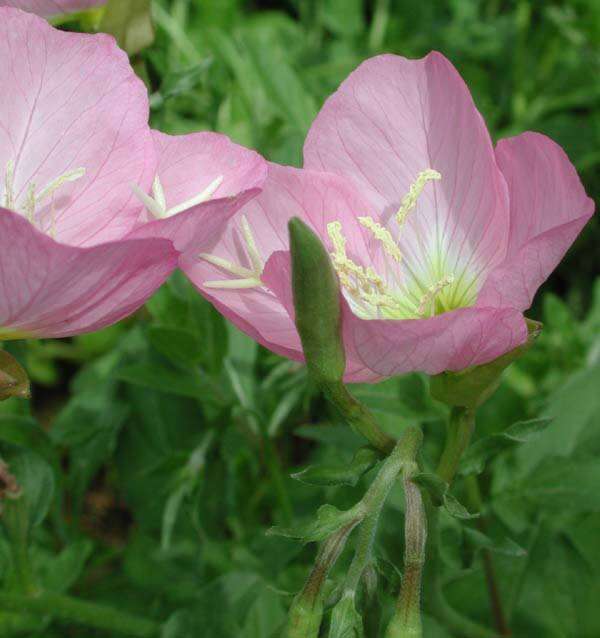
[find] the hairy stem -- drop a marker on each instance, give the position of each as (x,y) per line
(358,416)
(406,622)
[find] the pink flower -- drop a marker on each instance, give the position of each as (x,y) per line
(76,249)
(439,241)
(48,8)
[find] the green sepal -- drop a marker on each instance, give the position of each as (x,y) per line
(476,456)
(329,520)
(439,491)
(14,381)
(348,474)
(346,622)
(471,387)
(317,304)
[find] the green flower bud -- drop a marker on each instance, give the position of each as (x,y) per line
(317,304)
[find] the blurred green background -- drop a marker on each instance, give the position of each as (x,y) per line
(159,451)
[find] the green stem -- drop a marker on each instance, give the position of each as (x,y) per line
(358,416)
(79,612)
(474,494)
(16,523)
(278,479)
(435,601)
(406,622)
(458,435)
(306,612)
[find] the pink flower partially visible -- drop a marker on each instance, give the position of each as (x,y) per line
(77,251)
(49,8)
(439,241)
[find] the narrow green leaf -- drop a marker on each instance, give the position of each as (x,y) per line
(343,474)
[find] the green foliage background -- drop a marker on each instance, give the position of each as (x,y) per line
(159,451)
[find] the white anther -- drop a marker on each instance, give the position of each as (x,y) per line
(204,196)
(152,205)
(157,205)
(159,194)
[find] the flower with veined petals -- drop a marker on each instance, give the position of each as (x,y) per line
(49,8)
(439,241)
(77,249)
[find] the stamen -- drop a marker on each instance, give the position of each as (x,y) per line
(9,180)
(253,253)
(226,265)
(205,195)
(159,193)
(69,176)
(152,205)
(416,188)
(157,204)
(30,203)
(234,284)
(250,277)
(384,236)
(432,292)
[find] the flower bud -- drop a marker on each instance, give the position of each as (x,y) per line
(317,304)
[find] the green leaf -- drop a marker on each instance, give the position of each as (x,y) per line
(36,480)
(438,489)
(180,346)
(476,456)
(506,546)
(130,23)
(346,622)
(63,571)
(573,407)
(342,474)
(329,520)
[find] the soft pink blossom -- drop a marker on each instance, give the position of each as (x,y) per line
(440,241)
(48,8)
(77,249)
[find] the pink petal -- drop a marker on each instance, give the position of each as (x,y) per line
(187,164)
(72,100)
(451,341)
(391,119)
(548,209)
(48,289)
(197,229)
(278,278)
(47,8)
(266,313)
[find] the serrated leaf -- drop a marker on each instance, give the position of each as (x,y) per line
(481,451)
(347,474)
(506,546)
(329,520)
(439,491)
(178,345)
